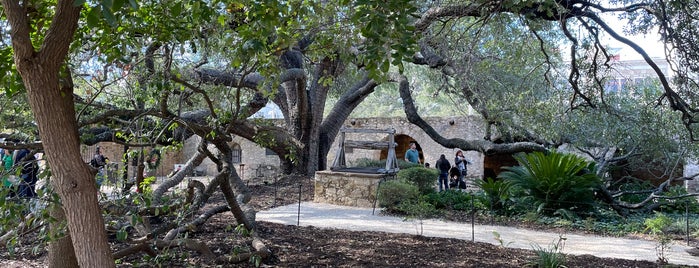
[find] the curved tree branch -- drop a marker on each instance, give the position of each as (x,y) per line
(485,147)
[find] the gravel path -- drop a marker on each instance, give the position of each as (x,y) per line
(366,219)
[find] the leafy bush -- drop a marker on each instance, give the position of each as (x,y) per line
(455,200)
(552,181)
(418,209)
(552,257)
(366,162)
(608,221)
(402,164)
(497,193)
(394,192)
(639,187)
(423,178)
(658,224)
(679,205)
(657,227)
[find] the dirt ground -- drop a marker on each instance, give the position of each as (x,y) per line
(313,247)
(293,246)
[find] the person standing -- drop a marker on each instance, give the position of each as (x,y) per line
(461,162)
(28,174)
(7,163)
(99,161)
(412,155)
(443,166)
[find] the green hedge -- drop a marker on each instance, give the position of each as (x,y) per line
(394,192)
(424,178)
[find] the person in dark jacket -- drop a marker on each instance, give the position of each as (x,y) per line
(99,161)
(28,174)
(460,162)
(443,166)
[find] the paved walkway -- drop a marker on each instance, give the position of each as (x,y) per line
(361,219)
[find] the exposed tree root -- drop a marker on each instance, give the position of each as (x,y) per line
(20,228)
(261,251)
(194,224)
(140,247)
(192,244)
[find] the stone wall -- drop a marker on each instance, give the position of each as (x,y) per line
(256,162)
(691,169)
(346,189)
(259,164)
(464,127)
(115,153)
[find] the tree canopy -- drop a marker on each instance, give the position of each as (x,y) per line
(152,72)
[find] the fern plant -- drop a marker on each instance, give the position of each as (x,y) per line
(553,181)
(496,191)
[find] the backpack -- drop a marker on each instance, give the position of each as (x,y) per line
(93,162)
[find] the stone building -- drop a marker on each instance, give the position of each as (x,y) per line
(256,163)
(253,162)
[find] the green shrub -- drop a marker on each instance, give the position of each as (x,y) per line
(552,257)
(366,162)
(402,164)
(658,224)
(497,193)
(394,192)
(423,178)
(679,205)
(638,188)
(657,227)
(455,200)
(552,181)
(418,209)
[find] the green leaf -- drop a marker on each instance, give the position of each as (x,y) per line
(109,16)
(385,65)
(107,3)
(121,235)
(176,10)
(221,20)
(93,17)
(118,4)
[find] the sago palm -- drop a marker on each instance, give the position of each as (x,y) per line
(553,181)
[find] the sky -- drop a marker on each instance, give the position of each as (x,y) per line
(650,43)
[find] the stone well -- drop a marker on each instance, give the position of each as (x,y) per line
(346,188)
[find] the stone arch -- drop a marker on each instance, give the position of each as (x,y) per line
(492,164)
(403,142)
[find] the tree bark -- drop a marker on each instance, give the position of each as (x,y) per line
(51,101)
(73,179)
(61,253)
(483,146)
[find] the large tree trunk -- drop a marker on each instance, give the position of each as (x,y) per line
(61,253)
(74,180)
(51,101)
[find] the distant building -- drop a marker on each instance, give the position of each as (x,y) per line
(630,72)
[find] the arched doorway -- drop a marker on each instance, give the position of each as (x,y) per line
(492,164)
(403,142)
